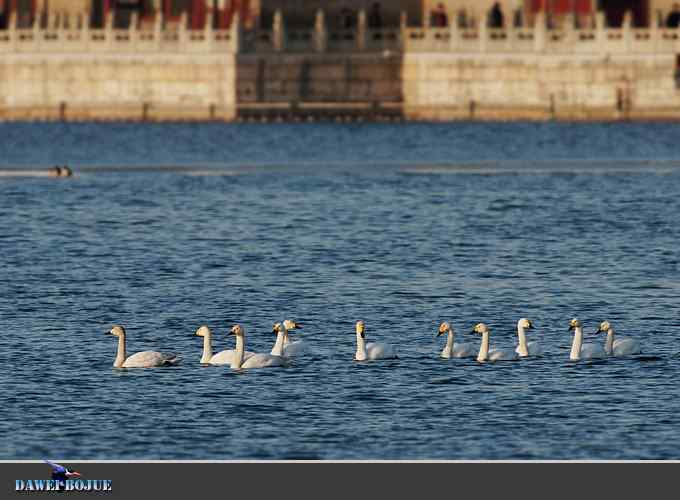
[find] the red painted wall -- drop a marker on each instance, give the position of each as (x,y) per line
(562,6)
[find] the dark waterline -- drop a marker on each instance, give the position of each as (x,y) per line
(403,226)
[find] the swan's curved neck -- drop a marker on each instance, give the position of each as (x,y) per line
(448,348)
(286,341)
(207,349)
(609,343)
(361,348)
(277,350)
(484,348)
(122,354)
(576,344)
(523,349)
(237,358)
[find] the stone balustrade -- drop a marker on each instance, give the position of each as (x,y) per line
(479,39)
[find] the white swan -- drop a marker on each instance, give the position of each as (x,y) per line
(625,346)
(491,355)
(222,357)
(372,350)
(525,348)
(579,350)
(454,350)
(144,359)
(257,360)
(291,349)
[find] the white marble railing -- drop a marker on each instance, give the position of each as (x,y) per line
(480,39)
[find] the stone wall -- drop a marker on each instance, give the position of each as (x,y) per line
(117,87)
(540,87)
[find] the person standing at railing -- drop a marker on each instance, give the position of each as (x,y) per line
(673,19)
(375,17)
(347,19)
(439,17)
(496,16)
(462,19)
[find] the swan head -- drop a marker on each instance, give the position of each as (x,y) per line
(525,323)
(236,330)
(203,331)
(480,329)
(444,328)
(278,328)
(361,329)
(604,327)
(574,323)
(116,331)
(289,324)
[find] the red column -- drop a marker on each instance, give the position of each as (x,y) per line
(222,16)
(197,14)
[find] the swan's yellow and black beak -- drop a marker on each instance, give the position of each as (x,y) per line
(599,330)
(530,326)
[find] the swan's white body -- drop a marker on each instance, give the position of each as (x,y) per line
(453,349)
(372,350)
(257,360)
(294,348)
(525,348)
(220,358)
(626,346)
(579,350)
(144,359)
(486,354)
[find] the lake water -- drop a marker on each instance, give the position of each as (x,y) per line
(167,227)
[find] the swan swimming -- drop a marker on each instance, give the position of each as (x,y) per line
(454,350)
(525,348)
(257,360)
(579,350)
(372,350)
(222,357)
(625,346)
(286,347)
(144,359)
(494,354)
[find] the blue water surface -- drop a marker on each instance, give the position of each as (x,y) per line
(167,227)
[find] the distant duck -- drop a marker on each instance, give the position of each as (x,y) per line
(257,360)
(625,346)
(454,350)
(65,171)
(494,354)
(525,348)
(579,350)
(145,359)
(54,171)
(222,357)
(372,350)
